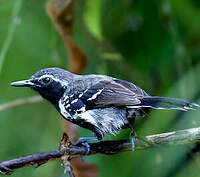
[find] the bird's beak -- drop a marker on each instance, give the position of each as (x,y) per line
(24,83)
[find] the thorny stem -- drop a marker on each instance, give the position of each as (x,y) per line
(104,147)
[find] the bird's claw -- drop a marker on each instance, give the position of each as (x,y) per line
(86,145)
(83,143)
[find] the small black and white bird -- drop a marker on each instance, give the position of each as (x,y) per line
(99,103)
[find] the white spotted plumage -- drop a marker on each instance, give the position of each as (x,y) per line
(74,101)
(67,106)
(63,110)
(95,95)
(86,116)
(80,95)
(82,109)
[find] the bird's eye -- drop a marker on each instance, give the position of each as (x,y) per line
(46,80)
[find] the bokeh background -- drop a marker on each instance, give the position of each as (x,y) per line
(154,44)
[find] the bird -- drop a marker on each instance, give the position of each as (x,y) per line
(99,103)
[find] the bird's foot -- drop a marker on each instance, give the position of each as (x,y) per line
(84,142)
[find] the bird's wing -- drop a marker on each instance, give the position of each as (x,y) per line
(138,91)
(107,93)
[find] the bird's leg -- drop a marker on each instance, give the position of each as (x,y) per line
(132,139)
(132,134)
(84,141)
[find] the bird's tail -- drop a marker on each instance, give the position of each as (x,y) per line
(166,103)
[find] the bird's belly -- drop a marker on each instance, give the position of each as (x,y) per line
(106,120)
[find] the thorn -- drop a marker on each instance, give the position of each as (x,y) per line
(64,143)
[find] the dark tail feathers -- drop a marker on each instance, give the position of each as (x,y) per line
(166,103)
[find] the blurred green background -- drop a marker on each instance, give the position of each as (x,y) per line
(154,44)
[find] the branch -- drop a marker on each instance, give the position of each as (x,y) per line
(20,102)
(104,147)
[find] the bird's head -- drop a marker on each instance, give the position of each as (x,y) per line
(50,83)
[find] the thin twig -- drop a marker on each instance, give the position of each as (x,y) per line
(104,147)
(20,102)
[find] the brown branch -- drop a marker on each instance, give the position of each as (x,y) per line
(66,149)
(7,167)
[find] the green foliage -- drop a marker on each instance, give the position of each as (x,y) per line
(154,44)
